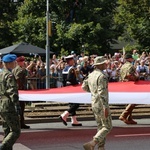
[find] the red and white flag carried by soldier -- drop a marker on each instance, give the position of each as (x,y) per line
(119,93)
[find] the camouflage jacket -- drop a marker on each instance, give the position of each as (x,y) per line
(20,75)
(128,72)
(97,84)
(9,98)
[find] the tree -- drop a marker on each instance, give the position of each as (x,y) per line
(8,12)
(78,23)
(30,24)
(90,24)
(134,18)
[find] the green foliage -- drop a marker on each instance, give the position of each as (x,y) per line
(30,24)
(89,24)
(63,52)
(129,48)
(8,11)
(134,19)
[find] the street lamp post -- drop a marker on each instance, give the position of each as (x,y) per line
(47,47)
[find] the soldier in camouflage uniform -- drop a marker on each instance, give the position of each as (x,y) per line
(97,85)
(20,74)
(128,73)
(9,103)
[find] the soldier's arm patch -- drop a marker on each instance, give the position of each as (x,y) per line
(10,76)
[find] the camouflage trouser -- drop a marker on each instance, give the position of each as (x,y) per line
(11,127)
(104,126)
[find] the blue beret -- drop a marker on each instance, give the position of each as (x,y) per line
(9,58)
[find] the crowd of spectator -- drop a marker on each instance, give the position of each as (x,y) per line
(36,68)
(84,65)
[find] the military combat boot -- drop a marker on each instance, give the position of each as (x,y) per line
(130,119)
(90,145)
(126,116)
(101,148)
(123,116)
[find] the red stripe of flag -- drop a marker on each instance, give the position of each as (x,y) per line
(139,86)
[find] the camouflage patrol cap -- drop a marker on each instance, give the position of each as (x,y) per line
(99,60)
(9,58)
(127,56)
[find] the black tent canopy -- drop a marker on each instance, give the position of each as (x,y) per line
(24,49)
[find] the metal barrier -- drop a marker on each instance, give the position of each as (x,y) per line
(37,83)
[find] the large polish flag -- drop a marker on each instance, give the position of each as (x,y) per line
(119,93)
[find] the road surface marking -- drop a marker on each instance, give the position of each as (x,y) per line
(130,135)
(19,146)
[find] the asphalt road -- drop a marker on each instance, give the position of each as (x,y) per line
(56,136)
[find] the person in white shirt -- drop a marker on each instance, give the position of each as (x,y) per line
(142,70)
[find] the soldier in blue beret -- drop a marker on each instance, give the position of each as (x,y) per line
(9,58)
(9,103)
